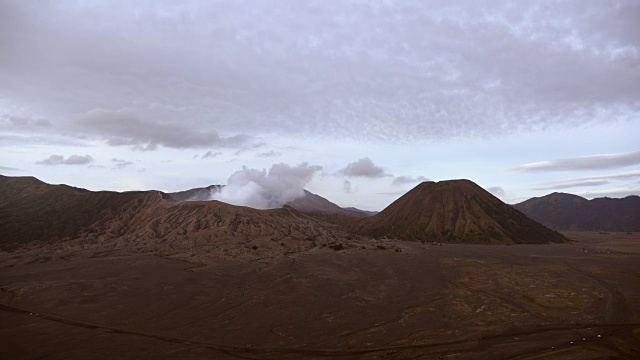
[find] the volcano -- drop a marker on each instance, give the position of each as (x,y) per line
(309,203)
(34,211)
(457,211)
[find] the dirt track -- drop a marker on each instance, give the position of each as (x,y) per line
(454,302)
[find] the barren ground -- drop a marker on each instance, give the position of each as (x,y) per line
(408,300)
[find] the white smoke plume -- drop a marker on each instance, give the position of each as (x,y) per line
(261,190)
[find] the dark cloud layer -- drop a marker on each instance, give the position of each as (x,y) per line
(123,128)
(402,71)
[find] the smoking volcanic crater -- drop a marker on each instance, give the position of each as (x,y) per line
(166,275)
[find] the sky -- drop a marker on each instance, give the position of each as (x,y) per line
(356,101)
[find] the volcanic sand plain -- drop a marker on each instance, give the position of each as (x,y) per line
(374,299)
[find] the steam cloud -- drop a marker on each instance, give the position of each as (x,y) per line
(261,190)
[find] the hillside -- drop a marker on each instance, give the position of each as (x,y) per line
(455,211)
(312,203)
(562,211)
(33,211)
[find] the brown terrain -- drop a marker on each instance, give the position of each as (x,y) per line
(138,276)
(34,213)
(571,212)
(455,211)
(315,204)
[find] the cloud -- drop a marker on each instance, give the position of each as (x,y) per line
(612,192)
(593,162)
(430,70)
(78,160)
(496,190)
(572,184)
(71,160)
(346,186)
(122,127)
(249,148)
(261,190)
(268,154)
(588,181)
(211,155)
(121,163)
(403,180)
(7,168)
(363,168)
(23,122)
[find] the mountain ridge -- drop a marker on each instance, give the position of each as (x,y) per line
(448,211)
(562,211)
(33,211)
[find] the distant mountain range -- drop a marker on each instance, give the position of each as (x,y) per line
(448,211)
(562,211)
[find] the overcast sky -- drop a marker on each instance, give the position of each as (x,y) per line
(524,99)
